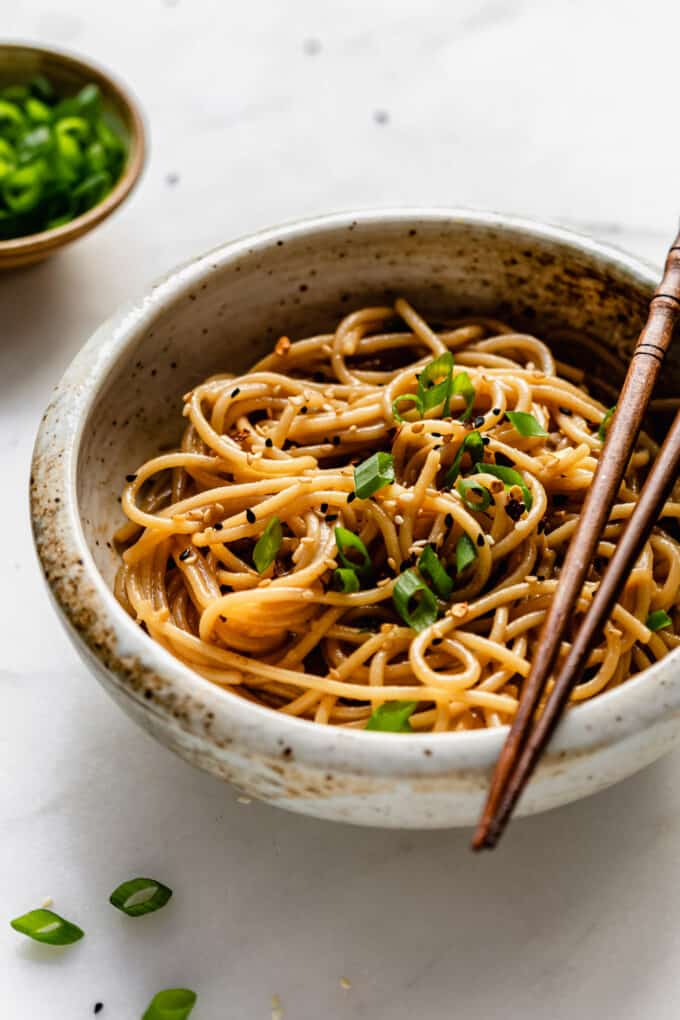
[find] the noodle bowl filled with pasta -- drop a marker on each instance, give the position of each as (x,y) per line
(333,519)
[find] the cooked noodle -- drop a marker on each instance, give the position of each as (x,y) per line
(281,441)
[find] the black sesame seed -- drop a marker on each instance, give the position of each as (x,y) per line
(185,554)
(540,577)
(269,443)
(437,640)
(514,509)
(336,440)
(496,410)
(218,525)
(331,517)
(436,435)
(250,516)
(236,392)
(351,497)
(130,478)
(323,508)
(98,1007)
(480,539)
(303,409)
(479,421)
(566,410)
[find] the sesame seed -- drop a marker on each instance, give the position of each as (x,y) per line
(185,554)
(437,640)
(269,443)
(331,517)
(303,409)
(131,478)
(479,421)
(236,392)
(480,539)
(250,516)
(336,440)
(218,525)
(323,508)
(351,497)
(496,410)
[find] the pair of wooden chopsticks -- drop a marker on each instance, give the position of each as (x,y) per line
(528,737)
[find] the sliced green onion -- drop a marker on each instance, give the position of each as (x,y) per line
(57,159)
(23,187)
(432,567)
(373,474)
(432,393)
(509,476)
(345,579)
(171,1004)
(466,552)
(46,926)
(473,445)
(525,423)
(37,111)
(462,387)
(140,896)
(411,588)
(392,717)
(418,406)
(604,424)
(268,545)
(465,485)
(347,541)
(658,620)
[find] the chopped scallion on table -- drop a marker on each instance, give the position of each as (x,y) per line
(140,896)
(171,1004)
(46,926)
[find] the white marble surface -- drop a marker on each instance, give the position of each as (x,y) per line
(560,109)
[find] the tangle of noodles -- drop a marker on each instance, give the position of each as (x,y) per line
(281,441)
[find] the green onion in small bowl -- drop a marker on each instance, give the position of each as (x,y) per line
(71,149)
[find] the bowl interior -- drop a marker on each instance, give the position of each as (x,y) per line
(227,310)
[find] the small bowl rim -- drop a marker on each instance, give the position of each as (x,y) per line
(46,240)
(608,718)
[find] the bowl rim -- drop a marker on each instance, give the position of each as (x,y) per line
(46,240)
(125,653)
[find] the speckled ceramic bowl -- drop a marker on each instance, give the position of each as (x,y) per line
(120,400)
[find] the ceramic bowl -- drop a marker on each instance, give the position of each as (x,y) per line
(19,63)
(120,401)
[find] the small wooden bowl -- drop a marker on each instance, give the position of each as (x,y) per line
(19,63)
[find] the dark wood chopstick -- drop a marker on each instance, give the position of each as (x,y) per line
(655,492)
(642,373)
